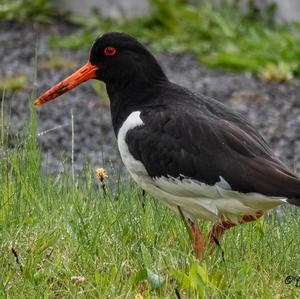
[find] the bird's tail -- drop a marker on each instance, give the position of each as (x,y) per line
(294,201)
(294,198)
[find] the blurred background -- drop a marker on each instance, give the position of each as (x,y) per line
(244,53)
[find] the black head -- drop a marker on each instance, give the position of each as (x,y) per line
(117,59)
(120,58)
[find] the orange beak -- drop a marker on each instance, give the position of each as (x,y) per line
(88,71)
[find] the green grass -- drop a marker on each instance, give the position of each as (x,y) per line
(13,83)
(65,238)
(41,11)
(61,238)
(226,37)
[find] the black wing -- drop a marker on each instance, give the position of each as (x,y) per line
(206,146)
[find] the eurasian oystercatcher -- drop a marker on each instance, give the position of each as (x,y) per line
(190,151)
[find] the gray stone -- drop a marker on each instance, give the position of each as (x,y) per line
(107,8)
(288,10)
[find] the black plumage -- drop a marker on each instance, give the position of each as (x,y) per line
(197,137)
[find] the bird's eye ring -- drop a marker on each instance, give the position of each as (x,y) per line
(110,51)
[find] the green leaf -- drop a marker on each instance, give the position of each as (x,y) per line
(218,280)
(202,272)
(182,279)
(97,277)
(155,280)
(147,258)
(139,276)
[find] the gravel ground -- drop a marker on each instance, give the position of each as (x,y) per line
(273,108)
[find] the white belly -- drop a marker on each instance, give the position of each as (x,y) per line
(196,199)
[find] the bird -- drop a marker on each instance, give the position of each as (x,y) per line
(198,156)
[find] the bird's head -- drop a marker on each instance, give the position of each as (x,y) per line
(115,58)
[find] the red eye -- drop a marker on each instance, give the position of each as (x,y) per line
(110,51)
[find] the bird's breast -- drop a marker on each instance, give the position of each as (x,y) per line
(134,166)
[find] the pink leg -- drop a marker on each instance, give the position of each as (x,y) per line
(198,240)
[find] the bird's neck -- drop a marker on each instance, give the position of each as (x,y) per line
(132,96)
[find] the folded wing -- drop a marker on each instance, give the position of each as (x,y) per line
(207,149)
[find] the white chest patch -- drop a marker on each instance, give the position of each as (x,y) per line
(135,167)
(196,199)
